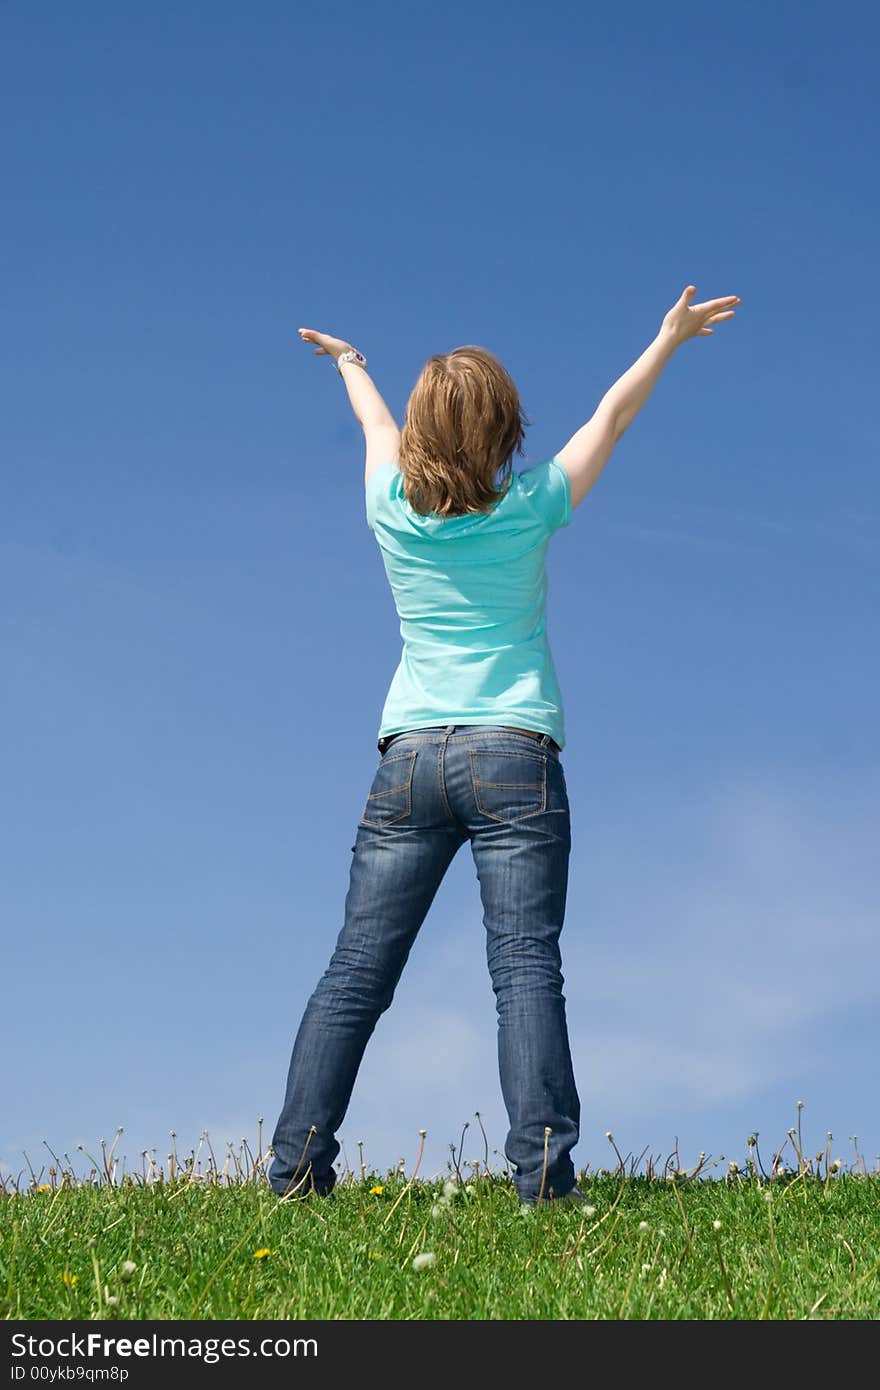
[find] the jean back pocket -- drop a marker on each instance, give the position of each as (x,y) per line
(390,797)
(509,785)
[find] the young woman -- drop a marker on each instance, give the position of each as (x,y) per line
(470,738)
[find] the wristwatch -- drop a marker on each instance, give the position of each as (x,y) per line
(351,356)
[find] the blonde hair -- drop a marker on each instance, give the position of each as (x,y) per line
(463,424)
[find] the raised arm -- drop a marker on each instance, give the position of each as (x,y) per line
(587,452)
(380,428)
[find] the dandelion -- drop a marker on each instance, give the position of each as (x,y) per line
(44,1187)
(128,1268)
(768,1197)
(377,1190)
(437,1210)
(424,1261)
(264,1252)
(643,1226)
(589,1211)
(835,1165)
(646,1269)
(450,1189)
(716,1225)
(68,1278)
(780,1171)
(111,1299)
(731,1167)
(664,1273)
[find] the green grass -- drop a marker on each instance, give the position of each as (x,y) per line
(650,1250)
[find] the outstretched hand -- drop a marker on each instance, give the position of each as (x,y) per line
(327,346)
(686,320)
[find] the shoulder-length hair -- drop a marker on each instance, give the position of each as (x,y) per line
(464,422)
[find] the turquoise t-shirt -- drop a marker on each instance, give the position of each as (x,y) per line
(471,592)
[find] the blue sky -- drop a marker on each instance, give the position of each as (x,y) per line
(196,628)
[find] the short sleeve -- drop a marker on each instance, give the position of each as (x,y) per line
(380,492)
(548,489)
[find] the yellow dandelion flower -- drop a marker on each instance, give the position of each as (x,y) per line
(377,1190)
(44,1187)
(263,1252)
(68,1278)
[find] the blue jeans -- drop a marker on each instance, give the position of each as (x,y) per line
(433,789)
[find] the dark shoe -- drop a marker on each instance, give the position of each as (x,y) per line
(574,1198)
(299,1191)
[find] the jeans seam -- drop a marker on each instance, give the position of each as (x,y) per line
(441,776)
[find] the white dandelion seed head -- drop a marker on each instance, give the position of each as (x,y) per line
(128,1269)
(716,1225)
(608,1134)
(589,1211)
(437,1211)
(643,1226)
(731,1167)
(768,1197)
(450,1189)
(424,1261)
(835,1165)
(780,1171)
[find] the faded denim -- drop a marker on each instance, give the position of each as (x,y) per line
(433,790)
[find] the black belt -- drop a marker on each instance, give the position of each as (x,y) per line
(530,733)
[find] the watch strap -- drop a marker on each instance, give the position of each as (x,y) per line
(352,355)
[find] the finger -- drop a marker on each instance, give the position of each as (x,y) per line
(714,318)
(711,304)
(704,330)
